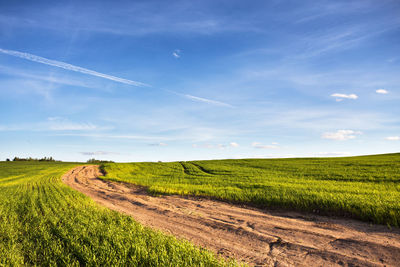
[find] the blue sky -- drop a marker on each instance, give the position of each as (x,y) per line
(182,80)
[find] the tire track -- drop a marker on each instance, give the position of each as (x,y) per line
(260,238)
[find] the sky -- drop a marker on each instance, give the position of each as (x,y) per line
(187,80)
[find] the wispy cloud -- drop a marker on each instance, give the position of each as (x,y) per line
(99,153)
(204,146)
(114,136)
(234,144)
(150,18)
(382,91)
(322,10)
(333,154)
(7,128)
(51,79)
(177,53)
(393,138)
(218,146)
(341,135)
(57,124)
(67,66)
(18,87)
(69,126)
(158,144)
(340,97)
(63,124)
(340,38)
(273,145)
(205,100)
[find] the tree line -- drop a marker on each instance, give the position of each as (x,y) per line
(32,159)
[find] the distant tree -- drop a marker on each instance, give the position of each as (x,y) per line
(97,161)
(91,161)
(34,159)
(7,159)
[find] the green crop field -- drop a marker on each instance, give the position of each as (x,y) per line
(44,222)
(366,187)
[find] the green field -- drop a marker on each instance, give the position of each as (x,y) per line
(43,222)
(366,187)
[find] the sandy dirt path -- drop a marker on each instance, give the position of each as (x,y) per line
(257,237)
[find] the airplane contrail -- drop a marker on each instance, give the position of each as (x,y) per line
(63,65)
(67,66)
(205,100)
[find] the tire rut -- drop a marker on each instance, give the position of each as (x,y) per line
(256,237)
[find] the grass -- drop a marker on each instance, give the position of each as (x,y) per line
(44,222)
(365,187)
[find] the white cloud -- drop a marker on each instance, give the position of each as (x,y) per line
(382,91)
(393,138)
(99,153)
(213,146)
(54,118)
(259,145)
(110,136)
(333,154)
(234,144)
(340,97)
(55,124)
(71,126)
(158,144)
(206,146)
(177,53)
(62,124)
(341,135)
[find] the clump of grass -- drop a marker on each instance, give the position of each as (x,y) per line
(366,187)
(44,222)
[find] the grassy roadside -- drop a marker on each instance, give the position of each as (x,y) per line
(44,222)
(366,187)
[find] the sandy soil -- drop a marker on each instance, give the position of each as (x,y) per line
(257,237)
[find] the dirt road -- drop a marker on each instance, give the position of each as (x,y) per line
(257,237)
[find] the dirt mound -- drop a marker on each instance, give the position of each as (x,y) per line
(261,238)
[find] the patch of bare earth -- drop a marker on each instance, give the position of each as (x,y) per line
(257,237)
